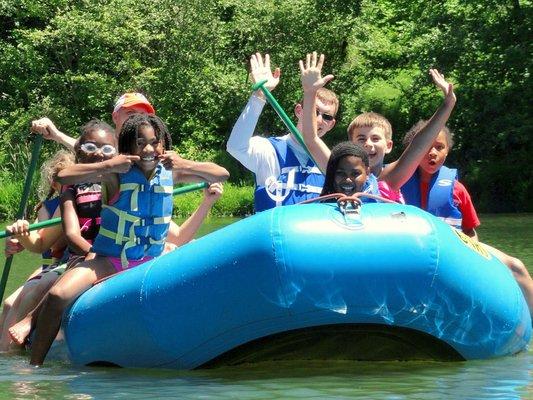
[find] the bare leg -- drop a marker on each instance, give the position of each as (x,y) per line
(73,283)
(19,332)
(8,315)
(520,273)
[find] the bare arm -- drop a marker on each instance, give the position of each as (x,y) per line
(105,172)
(398,172)
(186,232)
(312,81)
(46,127)
(187,170)
(71,225)
(36,241)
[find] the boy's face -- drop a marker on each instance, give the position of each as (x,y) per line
(436,156)
(375,143)
(350,175)
(325,116)
(123,113)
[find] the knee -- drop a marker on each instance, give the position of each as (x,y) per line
(8,305)
(518,268)
(57,298)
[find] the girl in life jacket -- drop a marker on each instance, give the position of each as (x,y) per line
(348,172)
(134,223)
(435,188)
(48,241)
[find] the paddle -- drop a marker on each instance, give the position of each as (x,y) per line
(54,221)
(37,143)
(282,114)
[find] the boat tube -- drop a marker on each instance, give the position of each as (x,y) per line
(306,282)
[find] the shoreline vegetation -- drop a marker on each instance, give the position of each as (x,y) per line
(69,61)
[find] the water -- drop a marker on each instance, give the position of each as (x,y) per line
(503,378)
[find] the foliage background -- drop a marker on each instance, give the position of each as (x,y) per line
(69,60)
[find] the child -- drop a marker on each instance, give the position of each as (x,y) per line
(284,172)
(127,104)
(135,223)
(372,131)
(348,172)
(80,211)
(81,206)
(28,295)
(435,188)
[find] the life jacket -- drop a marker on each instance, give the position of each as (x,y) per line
(295,183)
(51,257)
(136,225)
(440,195)
(88,200)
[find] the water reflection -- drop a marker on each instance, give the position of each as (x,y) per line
(504,378)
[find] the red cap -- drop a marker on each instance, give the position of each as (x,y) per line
(133,99)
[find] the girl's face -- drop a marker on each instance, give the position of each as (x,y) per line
(350,176)
(436,155)
(148,147)
(96,146)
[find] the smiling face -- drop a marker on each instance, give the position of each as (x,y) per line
(147,146)
(350,175)
(375,143)
(436,156)
(99,139)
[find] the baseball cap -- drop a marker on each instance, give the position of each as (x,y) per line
(133,99)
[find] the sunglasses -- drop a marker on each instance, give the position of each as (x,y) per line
(325,117)
(106,149)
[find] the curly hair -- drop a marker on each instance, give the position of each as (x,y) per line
(341,150)
(50,168)
(130,130)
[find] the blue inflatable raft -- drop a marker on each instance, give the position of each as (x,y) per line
(306,282)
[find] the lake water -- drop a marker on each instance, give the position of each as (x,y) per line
(503,378)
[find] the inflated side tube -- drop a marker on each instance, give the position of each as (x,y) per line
(391,270)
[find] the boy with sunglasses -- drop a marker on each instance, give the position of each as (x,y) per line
(284,172)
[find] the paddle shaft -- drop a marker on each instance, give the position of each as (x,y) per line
(283,115)
(54,221)
(37,143)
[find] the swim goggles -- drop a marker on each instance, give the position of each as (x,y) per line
(106,149)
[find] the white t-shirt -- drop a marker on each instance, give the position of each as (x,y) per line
(256,153)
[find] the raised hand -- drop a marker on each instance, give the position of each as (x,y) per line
(213,192)
(122,163)
(46,128)
(171,160)
(260,70)
(444,86)
(311,73)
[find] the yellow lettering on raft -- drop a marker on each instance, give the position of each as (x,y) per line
(469,242)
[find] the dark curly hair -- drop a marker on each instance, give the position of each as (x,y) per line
(341,150)
(130,129)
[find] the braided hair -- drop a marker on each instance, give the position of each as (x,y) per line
(130,130)
(341,150)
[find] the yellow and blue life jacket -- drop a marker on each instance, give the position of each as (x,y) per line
(136,225)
